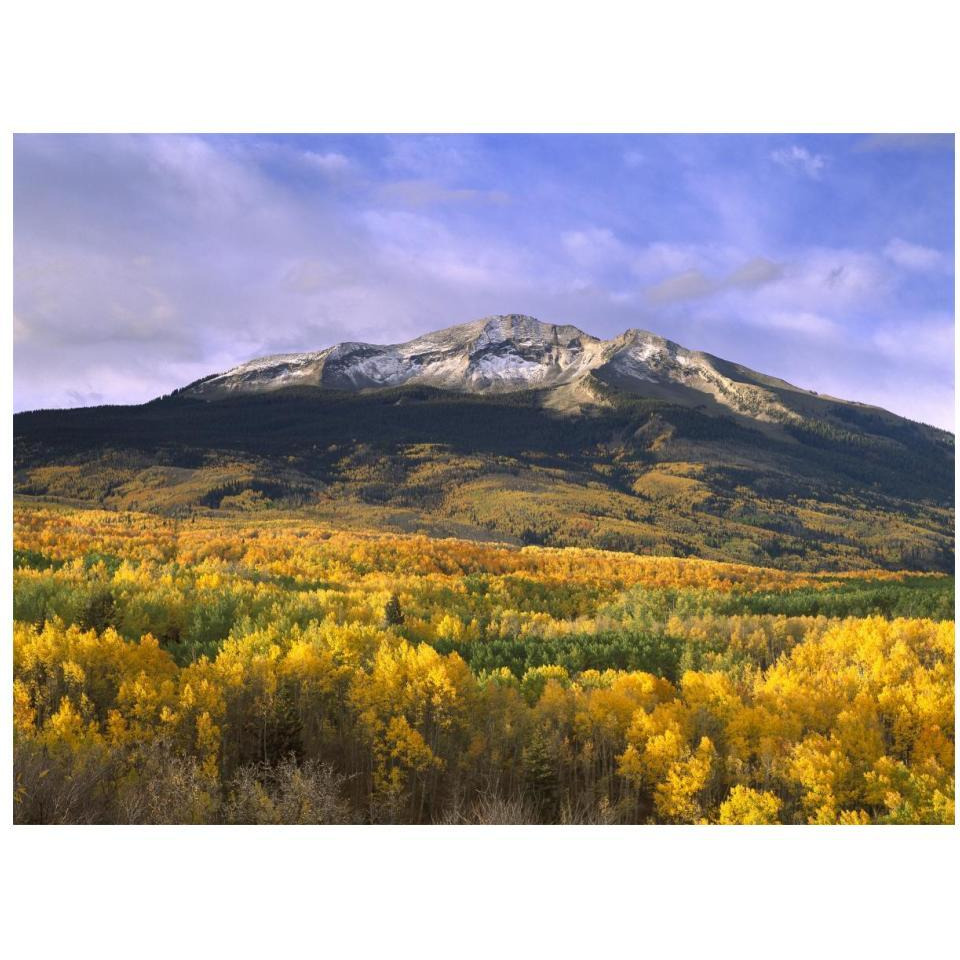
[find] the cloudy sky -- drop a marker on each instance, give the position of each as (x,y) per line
(145,262)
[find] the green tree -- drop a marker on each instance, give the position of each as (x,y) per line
(392,614)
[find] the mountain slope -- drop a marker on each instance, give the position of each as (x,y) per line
(507,428)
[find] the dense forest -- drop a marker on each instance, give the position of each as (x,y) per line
(227,668)
(837,488)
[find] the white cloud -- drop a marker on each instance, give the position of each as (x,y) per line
(83,398)
(420,246)
(906,142)
(659,258)
(694,283)
(326,162)
(424,193)
(800,160)
(684,286)
(595,247)
(928,339)
(827,281)
(21,329)
(807,324)
(755,273)
(433,155)
(599,250)
(913,256)
(314,275)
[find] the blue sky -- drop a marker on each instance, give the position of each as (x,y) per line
(144,262)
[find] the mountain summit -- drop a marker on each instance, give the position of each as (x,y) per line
(515,352)
(511,352)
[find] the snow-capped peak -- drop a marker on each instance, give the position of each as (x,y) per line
(504,353)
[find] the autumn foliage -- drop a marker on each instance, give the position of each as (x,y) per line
(231,671)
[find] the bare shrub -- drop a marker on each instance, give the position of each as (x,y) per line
(584,812)
(490,808)
(165,787)
(59,787)
(287,792)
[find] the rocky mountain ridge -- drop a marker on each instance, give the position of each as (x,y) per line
(510,353)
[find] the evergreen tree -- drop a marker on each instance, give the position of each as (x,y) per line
(392,614)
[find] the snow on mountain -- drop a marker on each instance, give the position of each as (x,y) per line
(508,353)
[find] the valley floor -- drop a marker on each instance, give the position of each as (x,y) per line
(263,668)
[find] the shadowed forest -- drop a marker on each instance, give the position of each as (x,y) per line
(835,489)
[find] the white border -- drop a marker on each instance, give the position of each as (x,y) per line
(503,65)
(497,66)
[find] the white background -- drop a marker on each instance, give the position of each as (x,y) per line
(412,66)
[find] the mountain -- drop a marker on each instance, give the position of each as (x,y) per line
(494,354)
(509,428)
(511,353)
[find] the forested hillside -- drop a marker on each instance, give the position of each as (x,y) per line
(838,487)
